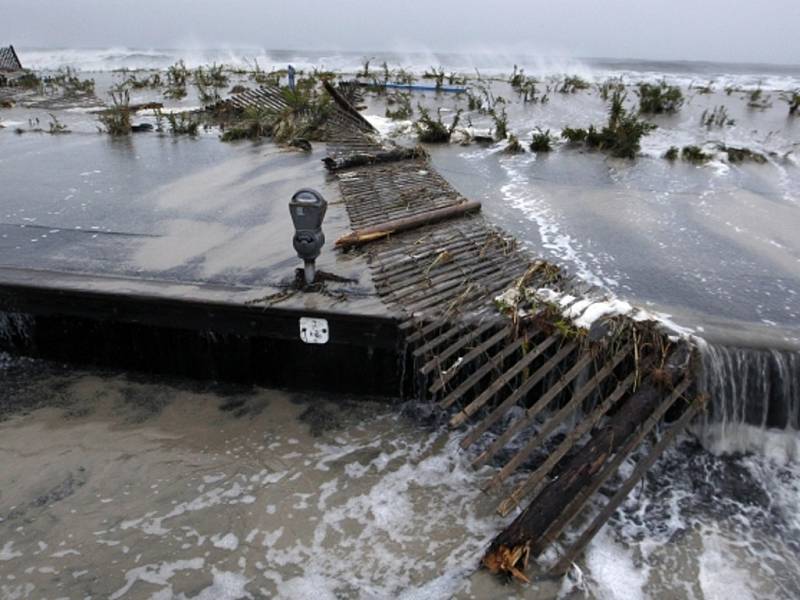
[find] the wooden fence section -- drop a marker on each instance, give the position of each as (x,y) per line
(554,410)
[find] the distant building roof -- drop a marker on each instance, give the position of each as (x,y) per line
(9,61)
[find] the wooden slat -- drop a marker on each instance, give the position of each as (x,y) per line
(467,359)
(550,425)
(522,364)
(520,392)
(530,414)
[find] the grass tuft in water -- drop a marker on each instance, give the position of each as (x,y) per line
(541,141)
(716,118)
(659,98)
(513,146)
(117,118)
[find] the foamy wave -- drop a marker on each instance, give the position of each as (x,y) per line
(490,62)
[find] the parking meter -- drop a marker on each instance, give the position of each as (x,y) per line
(307,208)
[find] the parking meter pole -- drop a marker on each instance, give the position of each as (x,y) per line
(310,271)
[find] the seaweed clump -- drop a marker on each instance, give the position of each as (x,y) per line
(738,155)
(620,137)
(659,98)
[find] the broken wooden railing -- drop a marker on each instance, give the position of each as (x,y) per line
(555,410)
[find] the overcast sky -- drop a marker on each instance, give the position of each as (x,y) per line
(743,31)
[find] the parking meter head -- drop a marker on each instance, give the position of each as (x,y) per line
(307,209)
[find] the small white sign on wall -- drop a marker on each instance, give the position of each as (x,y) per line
(314,331)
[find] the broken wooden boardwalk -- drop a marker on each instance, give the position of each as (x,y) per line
(554,410)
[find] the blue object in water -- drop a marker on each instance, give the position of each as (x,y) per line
(421,88)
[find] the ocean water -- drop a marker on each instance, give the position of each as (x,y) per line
(779,77)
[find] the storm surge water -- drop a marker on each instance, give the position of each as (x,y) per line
(493,62)
(754,397)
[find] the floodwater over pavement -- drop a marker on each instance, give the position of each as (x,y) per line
(118,486)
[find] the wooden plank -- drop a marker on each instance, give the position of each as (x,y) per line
(441,357)
(484,347)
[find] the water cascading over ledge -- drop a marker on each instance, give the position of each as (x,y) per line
(754,400)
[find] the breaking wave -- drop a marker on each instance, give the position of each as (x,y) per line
(768,77)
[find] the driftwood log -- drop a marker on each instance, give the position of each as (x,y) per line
(382,230)
(514,542)
(360,159)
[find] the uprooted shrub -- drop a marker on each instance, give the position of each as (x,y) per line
(404,110)
(304,117)
(182,123)
(434,131)
(793,100)
(620,137)
(500,119)
(694,154)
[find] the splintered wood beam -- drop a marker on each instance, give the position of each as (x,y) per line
(566,445)
(382,230)
(359,159)
(577,473)
(576,504)
(641,468)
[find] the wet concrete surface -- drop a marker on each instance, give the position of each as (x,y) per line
(163,212)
